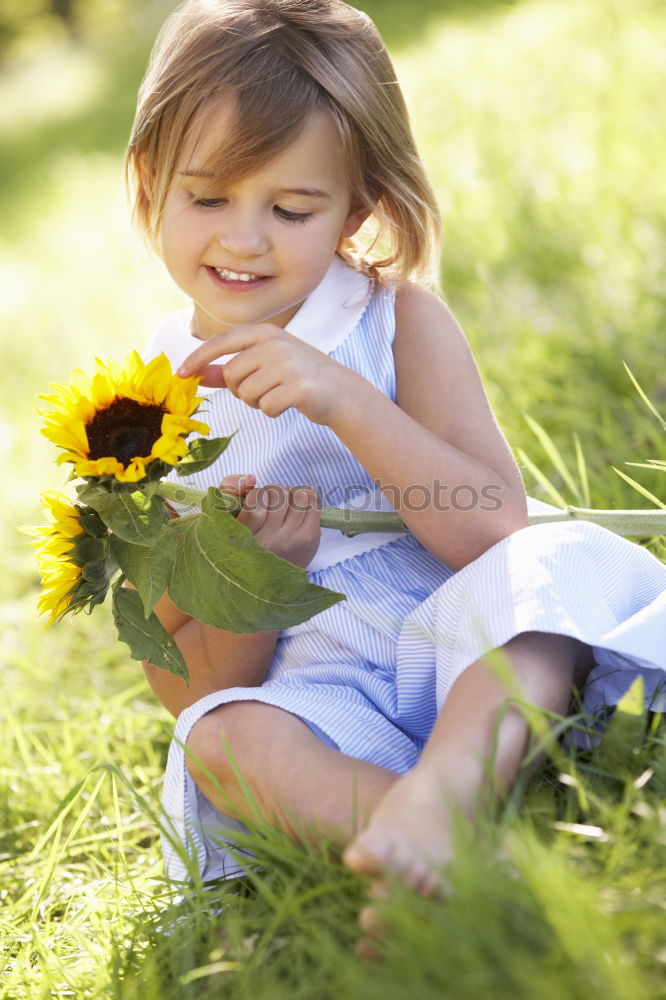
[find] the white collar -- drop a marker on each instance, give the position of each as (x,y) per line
(333,308)
(326,317)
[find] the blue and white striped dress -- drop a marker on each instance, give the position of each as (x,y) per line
(369,674)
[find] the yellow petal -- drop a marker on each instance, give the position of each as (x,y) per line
(174,424)
(182,396)
(158,378)
(135,471)
(71,436)
(170,450)
(73,407)
(108,466)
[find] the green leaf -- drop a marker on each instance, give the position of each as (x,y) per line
(146,637)
(203,452)
(148,567)
(155,472)
(92,494)
(92,523)
(223,577)
(95,572)
(133,516)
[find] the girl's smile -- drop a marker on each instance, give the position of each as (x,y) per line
(254,252)
(242,282)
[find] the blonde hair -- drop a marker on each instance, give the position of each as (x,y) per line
(280,61)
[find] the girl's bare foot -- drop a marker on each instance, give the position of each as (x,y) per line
(408,836)
(297,783)
(471,759)
(473,755)
(409,839)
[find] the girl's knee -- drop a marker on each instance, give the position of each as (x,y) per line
(213,741)
(546,646)
(547,666)
(235,736)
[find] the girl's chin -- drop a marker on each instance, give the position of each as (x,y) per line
(207,322)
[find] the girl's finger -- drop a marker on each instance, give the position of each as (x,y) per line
(212,376)
(271,502)
(239,485)
(251,390)
(253,514)
(237,338)
(303,500)
(275,500)
(278,399)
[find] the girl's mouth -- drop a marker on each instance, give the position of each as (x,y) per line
(242,280)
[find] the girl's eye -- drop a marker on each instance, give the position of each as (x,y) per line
(293,216)
(282,212)
(209,202)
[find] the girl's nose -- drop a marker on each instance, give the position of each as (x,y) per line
(243,237)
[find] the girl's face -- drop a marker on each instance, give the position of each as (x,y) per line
(254,252)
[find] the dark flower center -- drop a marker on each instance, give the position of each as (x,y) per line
(125,430)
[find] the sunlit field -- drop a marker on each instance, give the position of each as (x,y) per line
(544,128)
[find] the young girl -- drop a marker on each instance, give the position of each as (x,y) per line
(267,133)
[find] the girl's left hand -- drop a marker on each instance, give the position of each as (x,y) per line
(272,370)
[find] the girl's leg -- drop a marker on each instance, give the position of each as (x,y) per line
(473,755)
(301,785)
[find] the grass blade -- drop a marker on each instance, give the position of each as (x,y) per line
(581,465)
(555,457)
(551,491)
(648,402)
(641,489)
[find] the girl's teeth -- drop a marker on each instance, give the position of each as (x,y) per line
(233,276)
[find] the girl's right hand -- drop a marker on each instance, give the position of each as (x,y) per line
(284,520)
(272,370)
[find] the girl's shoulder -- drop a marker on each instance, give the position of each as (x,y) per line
(437,378)
(425,327)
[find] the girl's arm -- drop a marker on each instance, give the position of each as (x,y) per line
(217,659)
(439,455)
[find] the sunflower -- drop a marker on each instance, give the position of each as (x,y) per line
(123,423)
(73,557)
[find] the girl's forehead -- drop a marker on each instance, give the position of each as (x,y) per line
(213,125)
(210,146)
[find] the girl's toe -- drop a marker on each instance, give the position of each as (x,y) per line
(370,853)
(366,948)
(379,889)
(369,920)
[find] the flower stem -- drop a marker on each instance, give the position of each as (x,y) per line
(355,522)
(189,495)
(622,522)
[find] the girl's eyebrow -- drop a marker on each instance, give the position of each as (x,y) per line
(308,192)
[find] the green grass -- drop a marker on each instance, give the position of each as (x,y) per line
(542,128)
